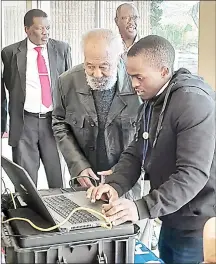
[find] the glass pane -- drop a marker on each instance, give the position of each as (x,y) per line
(178,21)
(12,21)
(69,20)
(108,12)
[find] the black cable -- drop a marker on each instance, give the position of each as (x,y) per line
(63,190)
(89,177)
(3,199)
(71,185)
(5,187)
(81,176)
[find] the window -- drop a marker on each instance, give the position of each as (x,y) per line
(178,21)
(108,12)
(70,19)
(175,20)
(12,21)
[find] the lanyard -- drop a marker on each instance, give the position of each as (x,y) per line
(146,119)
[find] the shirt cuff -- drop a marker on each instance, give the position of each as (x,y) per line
(142,209)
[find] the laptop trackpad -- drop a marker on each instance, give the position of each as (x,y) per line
(81,199)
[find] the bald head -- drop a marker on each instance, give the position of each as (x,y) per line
(126,19)
(102,50)
(125,7)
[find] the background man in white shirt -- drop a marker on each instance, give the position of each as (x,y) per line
(127,17)
(31,70)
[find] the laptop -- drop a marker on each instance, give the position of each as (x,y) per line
(53,208)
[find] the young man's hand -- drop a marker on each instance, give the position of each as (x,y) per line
(103,192)
(120,211)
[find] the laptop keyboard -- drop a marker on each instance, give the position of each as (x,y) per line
(64,206)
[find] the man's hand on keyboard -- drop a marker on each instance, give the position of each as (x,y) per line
(120,211)
(102,192)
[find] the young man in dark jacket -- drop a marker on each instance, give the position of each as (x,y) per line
(174,144)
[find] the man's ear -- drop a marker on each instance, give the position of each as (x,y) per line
(26,29)
(164,72)
(116,21)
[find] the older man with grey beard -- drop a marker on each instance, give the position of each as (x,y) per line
(95,109)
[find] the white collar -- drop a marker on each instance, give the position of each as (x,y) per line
(31,46)
(135,40)
(163,88)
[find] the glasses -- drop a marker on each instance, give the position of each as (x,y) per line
(129,18)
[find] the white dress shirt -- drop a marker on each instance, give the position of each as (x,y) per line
(33,101)
(163,88)
(126,49)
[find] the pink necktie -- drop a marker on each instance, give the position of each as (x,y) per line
(44,79)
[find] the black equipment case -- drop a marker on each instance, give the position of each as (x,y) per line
(110,249)
(93,245)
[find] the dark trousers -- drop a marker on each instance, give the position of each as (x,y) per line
(37,142)
(175,248)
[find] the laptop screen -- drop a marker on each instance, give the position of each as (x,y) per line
(26,188)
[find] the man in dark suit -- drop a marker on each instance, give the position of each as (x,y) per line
(31,69)
(3,108)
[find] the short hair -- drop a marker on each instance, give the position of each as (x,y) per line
(118,10)
(158,50)
(112,38)
(28,18)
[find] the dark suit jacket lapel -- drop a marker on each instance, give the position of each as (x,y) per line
(22,62)
(85,96)
(118,104)
(52,55)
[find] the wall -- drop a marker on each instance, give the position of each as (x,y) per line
(207,36)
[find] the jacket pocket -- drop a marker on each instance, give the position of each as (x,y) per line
(129,123)
(186,210)
(204,210)
(77,126)
(129,130)
(74,121)
(190,210)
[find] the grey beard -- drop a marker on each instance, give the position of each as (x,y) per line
(103,83)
